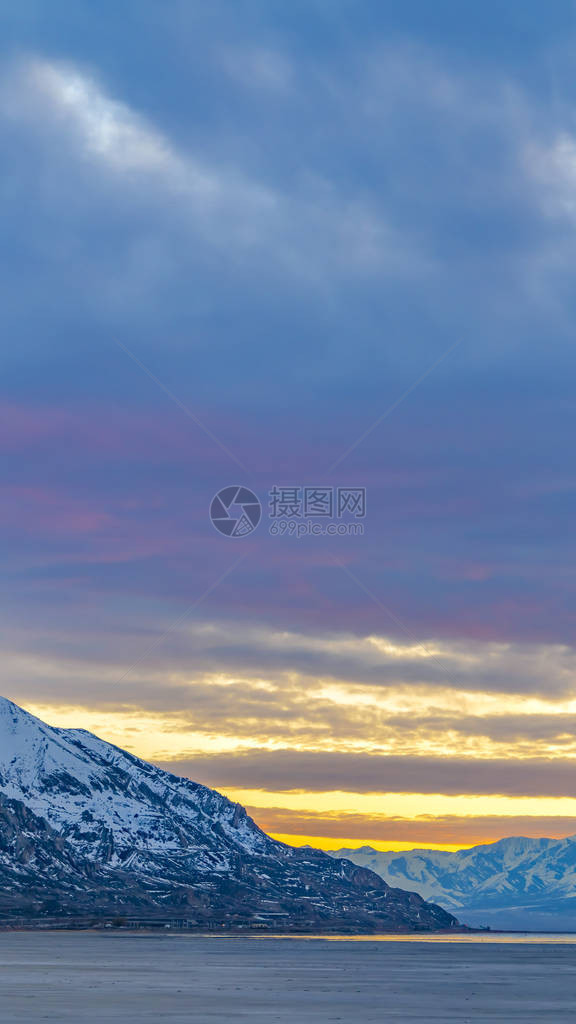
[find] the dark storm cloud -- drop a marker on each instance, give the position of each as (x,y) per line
(126,661)
(284,770)
(444,829)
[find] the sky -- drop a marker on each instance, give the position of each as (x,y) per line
(321,244)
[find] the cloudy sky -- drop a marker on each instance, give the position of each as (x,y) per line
(320,243)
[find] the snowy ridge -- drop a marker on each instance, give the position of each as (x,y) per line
(515,882)
(85,826)
(73,779)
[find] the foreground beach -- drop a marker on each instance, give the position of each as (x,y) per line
(96,977)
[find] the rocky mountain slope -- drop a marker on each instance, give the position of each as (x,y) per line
(514,883)
(88,830)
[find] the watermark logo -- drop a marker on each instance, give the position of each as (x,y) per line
(235,511)
(293,511)
(317,511)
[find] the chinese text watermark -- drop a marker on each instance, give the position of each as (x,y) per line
(293,510)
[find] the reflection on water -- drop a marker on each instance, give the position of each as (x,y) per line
(522,938)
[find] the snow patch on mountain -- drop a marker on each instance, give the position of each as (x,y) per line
(512,878)
(81,816)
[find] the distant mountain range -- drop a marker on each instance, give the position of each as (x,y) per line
(90,832)
(515,883)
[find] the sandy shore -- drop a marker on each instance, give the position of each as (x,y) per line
(94,978)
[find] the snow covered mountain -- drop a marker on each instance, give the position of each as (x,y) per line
(514,883)
(87,829)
